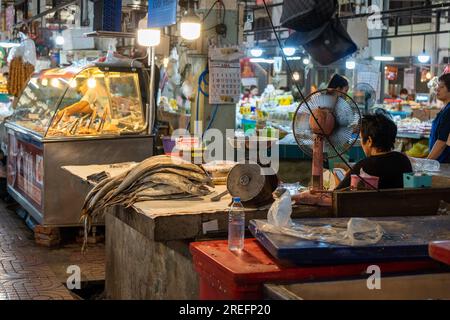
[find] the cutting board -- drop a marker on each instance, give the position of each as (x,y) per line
(405,238)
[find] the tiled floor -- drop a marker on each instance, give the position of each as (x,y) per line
(28,271)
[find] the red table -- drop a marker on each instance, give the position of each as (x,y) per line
(440,251)
(241,276)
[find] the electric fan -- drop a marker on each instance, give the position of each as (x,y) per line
(339,120)
(365,96)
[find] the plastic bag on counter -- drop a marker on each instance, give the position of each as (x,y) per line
(358,232)
(280,212)
(423,165)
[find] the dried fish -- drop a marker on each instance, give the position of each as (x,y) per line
(156,178)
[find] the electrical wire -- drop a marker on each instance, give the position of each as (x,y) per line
(289,71)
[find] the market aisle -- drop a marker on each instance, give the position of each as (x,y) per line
(28,271)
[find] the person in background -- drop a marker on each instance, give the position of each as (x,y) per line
(246,94)
(378,135)
(339,82)
(254,91)
(404,94)
(440,129)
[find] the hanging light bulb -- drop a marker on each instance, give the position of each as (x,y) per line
(59,40)
(350,64)
(424,57)
(256,52)
(92,83)
(296,76)
(428,75)
(306,61)
(190,26)
(289,51)
(149,37)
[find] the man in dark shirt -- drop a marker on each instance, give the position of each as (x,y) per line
(440,130)
(377,140)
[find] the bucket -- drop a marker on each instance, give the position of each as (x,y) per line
(357,184)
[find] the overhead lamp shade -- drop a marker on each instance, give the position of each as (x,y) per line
(149,37)
(256,52)
(190,27)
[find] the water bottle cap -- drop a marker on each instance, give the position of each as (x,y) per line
(237,199)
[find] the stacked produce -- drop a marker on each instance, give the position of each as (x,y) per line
(19,73)
(156,178)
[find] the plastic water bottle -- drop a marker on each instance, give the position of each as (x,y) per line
(236,225)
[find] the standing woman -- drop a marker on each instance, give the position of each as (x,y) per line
(441,125)
(339,83)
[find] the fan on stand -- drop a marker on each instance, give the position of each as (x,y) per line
(365,96)
(339,120)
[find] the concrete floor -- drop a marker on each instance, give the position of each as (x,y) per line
(31,272)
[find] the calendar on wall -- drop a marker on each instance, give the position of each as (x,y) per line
(224,75)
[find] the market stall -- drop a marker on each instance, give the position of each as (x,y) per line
(74,116)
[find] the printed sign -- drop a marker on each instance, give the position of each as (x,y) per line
(225,75)
(26,170)
(162,13)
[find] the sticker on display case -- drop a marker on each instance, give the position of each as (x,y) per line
(26,170)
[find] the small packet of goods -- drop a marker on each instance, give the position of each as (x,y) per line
(368,183)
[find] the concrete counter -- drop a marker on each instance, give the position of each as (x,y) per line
(148,257)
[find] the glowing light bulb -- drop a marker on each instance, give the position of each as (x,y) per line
(296,76)
(54,83)
(92,83)
(190,26)
(44,82)
(306,61)
(289,51)
(424,57)
(256,52)
(59,40)
(350,64)
(149,37)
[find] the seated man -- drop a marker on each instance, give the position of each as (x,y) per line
(377,140)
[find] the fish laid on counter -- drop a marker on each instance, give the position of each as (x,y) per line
(156,178)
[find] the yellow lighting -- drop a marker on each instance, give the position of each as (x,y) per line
(73,83)
(92,83)
(54,82)
(45,82)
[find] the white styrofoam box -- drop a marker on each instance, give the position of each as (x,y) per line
(76,55)
(74,39)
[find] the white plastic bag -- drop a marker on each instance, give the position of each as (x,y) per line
(280,212)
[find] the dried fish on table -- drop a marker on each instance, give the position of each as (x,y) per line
(156,178)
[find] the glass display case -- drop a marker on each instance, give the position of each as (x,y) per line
(87,102)
(97,114)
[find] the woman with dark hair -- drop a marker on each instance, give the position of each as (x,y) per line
(378,135)
(339,83)
(440,128)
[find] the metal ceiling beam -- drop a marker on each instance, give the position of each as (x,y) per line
(46,12)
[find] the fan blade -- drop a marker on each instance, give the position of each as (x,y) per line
(342,138)
(345,114)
